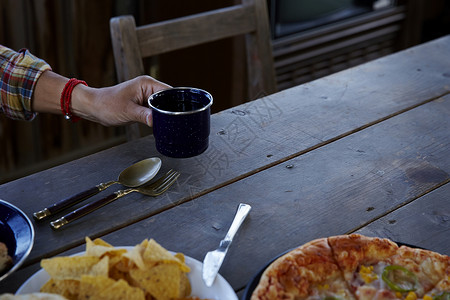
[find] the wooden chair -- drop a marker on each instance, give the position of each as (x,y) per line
(131,44)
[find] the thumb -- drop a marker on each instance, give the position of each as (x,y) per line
(143,115)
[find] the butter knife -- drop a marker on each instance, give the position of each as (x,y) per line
(213,259)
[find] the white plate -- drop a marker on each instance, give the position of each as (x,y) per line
(220,290)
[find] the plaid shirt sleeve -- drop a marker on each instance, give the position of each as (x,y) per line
(19,72)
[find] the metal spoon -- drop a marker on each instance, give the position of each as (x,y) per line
(133,176)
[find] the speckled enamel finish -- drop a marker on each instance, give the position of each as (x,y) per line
(181,130)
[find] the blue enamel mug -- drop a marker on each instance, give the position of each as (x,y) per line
(181,121)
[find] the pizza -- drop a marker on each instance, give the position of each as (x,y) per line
(356,267)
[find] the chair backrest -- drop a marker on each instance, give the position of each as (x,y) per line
(131,44)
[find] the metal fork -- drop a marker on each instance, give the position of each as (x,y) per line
(154,189)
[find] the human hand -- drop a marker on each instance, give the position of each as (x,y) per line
(120,104)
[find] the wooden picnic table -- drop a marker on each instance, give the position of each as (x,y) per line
(365,150)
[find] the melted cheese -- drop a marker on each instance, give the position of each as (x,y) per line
(411,296)
(367,274)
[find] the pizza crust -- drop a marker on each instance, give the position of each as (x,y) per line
(429,267)
(351,251)
(308,271)
(352,267)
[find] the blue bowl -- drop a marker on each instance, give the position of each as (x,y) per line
(17,232)
(181,121)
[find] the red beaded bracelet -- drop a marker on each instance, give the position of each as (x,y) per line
(66,97)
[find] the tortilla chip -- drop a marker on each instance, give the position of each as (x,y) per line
(135,256)
(124,264)
(147,271)
(117,274)
(185,285)
(32,296)
(180,256)
(121,290)
(73,267)
(101,287)
(97,242)
(92,285)
(66,288)
(99,248)
(163,281)
(154,253)
(101,268)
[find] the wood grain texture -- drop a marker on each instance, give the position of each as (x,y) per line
(260,65)
(323,158)
(127,58)
(195,29)
(126,48)
(64,34)
(250,19)
(423,223)
(245,139)
(331,190)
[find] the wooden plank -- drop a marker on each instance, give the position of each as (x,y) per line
(260,65)
(331,190)
(207,26)
(424,222)
(16,279)
(244,140)
(127,56)
(58,32)
(249,19)
(132,43)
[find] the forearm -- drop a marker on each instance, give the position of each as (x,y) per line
(110,106)
(47,95)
